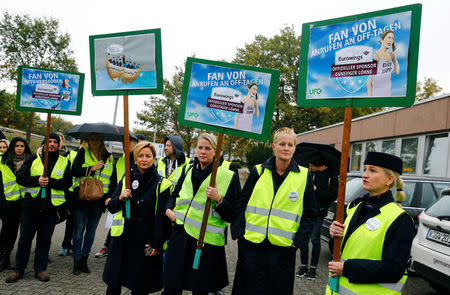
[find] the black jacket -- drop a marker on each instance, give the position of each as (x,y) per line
(309,212)
(326,190)
(24,179)
(126,264)
(396,247)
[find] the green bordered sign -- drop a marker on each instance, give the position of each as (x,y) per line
(362,60)
(126,63)
(49,91)
(228,98)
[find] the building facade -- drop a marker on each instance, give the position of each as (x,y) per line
(418,134)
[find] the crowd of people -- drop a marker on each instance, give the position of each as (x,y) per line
(155,223)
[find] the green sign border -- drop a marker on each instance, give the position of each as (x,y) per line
(273,88)
(158,61)
(39,110)
(413,56)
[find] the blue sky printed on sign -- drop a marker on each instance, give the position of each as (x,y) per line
(206,77)
(33,79)
(321,55)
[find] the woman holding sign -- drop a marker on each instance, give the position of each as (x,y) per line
(276,203)
(250,101)
(387,63)
(135,254)
(376,235)
(185,208)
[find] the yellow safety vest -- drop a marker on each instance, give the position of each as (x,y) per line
(277,217)
(175,175)
(189,208)
(71,157)
(104,175)
(10,187)
(119,221)
(37,169)
(120,168)
(226,164)
(366,242)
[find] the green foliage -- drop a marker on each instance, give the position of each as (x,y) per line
(9,116)
(258,153)
(427,89)
(162,113)
(34,42)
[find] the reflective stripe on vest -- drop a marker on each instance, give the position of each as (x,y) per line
(189,208)
(104,175)
(37,169)
(10,187)
(118,219)
(175,175)
(277,217)
(366,243)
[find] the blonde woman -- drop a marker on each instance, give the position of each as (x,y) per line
(376,234)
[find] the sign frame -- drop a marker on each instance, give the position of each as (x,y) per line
(139,91)
(270,105)
(78,110)
(413,55)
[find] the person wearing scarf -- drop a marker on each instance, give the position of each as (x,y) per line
(10,201)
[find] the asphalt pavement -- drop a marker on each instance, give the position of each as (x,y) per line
(64,282)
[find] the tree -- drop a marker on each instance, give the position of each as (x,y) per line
(427,89)
(34,42)
(162,112)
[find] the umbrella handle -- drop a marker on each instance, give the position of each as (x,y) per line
(127,209)
(43,193)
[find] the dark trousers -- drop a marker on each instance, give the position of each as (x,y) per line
(179,292)
(312,234)
(108,239)
(41,224)
(68,233)
(10,216)
(117,291)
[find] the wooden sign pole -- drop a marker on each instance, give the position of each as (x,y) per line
(334,281)
(126,145)
(212,183)
(47,135)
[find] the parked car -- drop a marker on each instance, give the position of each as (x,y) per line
(430,252)
(421,192)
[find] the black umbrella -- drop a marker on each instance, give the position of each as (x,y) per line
(306,151)
(109,132)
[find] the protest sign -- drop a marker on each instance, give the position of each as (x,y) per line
(228,98)
(126,63)
(49,91)
(366,60)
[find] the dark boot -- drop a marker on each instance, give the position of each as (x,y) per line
(76,268)
(83,265)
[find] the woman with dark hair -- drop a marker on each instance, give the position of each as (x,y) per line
(387,63)
(10,201)
(376,235)
(135,253)
(92,160)
(250,101)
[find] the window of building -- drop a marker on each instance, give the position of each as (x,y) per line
(371,146)
(388,146)
(409,154)
(435,155)
(356,157)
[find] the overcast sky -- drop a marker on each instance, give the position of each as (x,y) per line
(214,30)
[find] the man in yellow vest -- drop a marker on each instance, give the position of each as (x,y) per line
(39,213)
(172,164)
